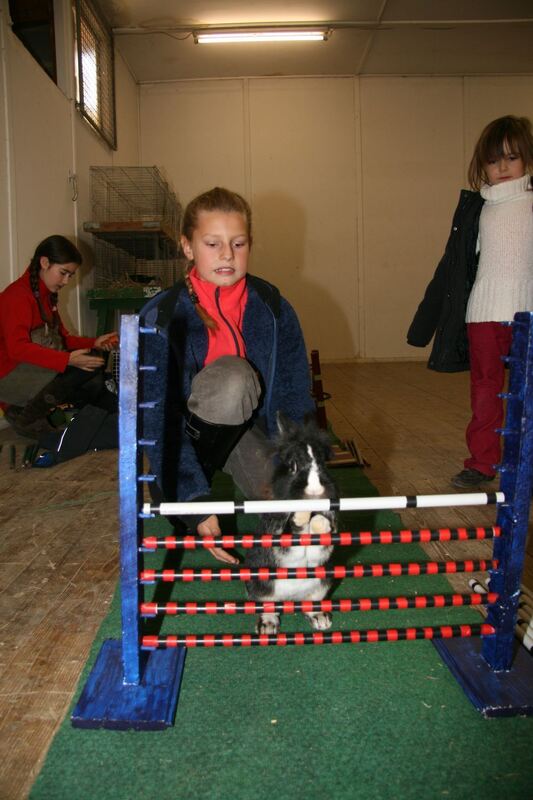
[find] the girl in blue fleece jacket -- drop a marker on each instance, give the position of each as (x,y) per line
(230,353)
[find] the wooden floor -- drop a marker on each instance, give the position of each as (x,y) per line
(58,538)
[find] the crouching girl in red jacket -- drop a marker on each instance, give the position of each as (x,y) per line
(41,364)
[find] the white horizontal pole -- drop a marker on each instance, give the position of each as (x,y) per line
(344,504)
(418,501)
(184,509)
(280,506)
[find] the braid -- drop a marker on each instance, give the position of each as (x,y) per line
(35,268)
(206,318)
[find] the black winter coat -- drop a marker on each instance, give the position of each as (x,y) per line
(442,311)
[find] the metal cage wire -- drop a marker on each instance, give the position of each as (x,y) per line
(120,194)
(135,222)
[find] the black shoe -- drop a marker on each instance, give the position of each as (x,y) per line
(470,479)
(12,413)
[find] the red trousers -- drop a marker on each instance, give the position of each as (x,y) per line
(488,342)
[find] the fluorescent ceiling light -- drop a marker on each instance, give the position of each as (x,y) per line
(261,36)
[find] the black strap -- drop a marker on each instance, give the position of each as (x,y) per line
(267,292)
(166,307)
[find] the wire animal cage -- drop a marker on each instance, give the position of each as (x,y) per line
(135,225)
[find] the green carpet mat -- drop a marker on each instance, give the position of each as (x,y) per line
(380,721)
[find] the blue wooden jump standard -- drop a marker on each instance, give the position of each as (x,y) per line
(496,673)
(132,688)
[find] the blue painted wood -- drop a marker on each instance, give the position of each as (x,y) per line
(517,484)
(107,702)
(130,466)
(495,672)
(127,688)
(494,694)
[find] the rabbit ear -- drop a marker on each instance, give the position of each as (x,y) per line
(285,424)
(310,420)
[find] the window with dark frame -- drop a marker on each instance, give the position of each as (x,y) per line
(32,21)
(95,70)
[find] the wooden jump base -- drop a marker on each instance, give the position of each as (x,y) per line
(135,681)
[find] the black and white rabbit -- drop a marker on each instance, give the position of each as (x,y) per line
(299,473)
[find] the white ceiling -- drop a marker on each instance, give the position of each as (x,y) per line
(370,37)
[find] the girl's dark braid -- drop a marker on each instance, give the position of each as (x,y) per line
(206,318)
(35,268)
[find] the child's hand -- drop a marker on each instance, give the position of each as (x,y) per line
(83,360)
(107,341)
(210,527)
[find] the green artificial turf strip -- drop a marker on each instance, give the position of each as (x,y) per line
(380,721)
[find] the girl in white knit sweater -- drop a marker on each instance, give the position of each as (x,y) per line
(500,170)
(484,277)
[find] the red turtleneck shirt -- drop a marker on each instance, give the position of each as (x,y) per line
(225,304)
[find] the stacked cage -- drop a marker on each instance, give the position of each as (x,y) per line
(135,226)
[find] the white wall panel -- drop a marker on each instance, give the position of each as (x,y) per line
(195,131)
(412,156)
(303,176)
(42,152)
(492,97)
(40,157)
